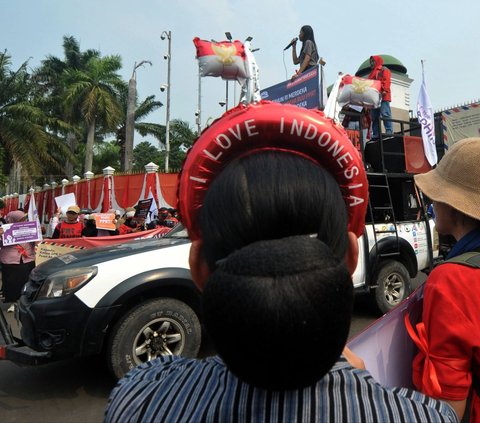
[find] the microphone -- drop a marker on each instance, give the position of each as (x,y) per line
(291,43)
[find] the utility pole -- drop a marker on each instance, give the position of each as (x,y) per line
(168,57)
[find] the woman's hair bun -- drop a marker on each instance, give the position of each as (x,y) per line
(274,304)
(278,257)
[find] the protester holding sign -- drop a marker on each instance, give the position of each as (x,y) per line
(277,298)
(17,262)
(71,227)
(129,224)
(448,364)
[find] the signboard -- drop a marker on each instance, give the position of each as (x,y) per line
(47,250)
(143,207)
(461,122)
(386,347)
(65,201)
(20,232)
(105,221)
(303,91)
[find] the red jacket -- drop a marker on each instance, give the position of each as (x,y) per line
(383,74)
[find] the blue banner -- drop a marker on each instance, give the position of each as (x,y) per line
(303,91)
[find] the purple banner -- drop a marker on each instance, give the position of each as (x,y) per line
(18,233)
(304,91)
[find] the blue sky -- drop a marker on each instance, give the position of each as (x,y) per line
(442,33)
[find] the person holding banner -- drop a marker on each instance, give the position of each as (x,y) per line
(129,225)
(308,56)
(448,337)
(17,262)
(277,299)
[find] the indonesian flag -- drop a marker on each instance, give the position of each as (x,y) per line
(225,59)
(360,92)
(425,118)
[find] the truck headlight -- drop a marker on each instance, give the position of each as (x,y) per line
(66,281)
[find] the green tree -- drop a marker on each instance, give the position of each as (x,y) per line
(144,153)
(106,154)
(26,138)
(95,92)
(181,139)
(50,88)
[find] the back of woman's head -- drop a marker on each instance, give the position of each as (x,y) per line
(278,303)
(271,195)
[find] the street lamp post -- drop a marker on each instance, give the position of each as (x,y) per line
(130,121)
(168,57)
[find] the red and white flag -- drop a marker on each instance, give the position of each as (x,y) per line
(225,59)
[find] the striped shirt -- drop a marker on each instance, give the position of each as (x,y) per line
(175,389)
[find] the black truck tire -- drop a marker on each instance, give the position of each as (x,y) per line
(152,329)
(393,285)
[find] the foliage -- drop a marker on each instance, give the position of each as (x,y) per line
(59,114)
(106,154)
(181,139)
(143,154)
(95,92)
(26,135)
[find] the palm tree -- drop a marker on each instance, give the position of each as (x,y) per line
(26,135)
(50,87)
(182,137)
(95,92)
(146,107)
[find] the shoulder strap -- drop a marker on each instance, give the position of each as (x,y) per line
(471,259)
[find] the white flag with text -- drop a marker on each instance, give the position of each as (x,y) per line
(425,118)
(33,215)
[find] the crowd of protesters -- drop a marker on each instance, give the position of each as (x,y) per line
(78,222)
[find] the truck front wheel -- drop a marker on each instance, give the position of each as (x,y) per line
(155,328)
(393,285)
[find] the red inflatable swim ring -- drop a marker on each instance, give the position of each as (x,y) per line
(267,125)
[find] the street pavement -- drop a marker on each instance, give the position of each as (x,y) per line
(76,390)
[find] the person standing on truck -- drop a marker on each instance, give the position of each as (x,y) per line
(17,262)
(277,304)
(71,227)
(308,57)
(382,74)
(448,364)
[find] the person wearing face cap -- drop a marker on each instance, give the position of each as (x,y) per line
(277,299)
(71,227)
(17,262)
(448,363)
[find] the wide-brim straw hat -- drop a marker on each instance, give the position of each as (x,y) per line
(456,179)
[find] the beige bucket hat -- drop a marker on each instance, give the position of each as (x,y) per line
(456,179)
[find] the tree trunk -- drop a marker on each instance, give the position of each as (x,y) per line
(129,127)
(89,147)
(72,145)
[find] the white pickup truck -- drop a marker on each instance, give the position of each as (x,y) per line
(136,301)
